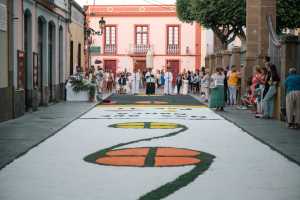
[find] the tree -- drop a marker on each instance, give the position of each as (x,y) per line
(227,19)
(288,14)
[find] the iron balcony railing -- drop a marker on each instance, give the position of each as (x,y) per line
(110,49)
(173,49)
(140,49)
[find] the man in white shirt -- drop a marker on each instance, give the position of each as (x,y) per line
(168,82)
(136,78)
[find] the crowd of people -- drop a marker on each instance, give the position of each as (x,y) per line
(220,88)
(150,83)
(261,91)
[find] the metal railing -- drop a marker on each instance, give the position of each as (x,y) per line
(173,49)
(139,49)
(110,49)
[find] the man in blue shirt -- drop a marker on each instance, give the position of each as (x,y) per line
(292,85)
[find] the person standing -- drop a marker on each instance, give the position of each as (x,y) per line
(158,80)
(178,83)
(136,79)
(233,79)
(168,82)
(292,85)
(162,78)
(205,85)
(226,91)
(216,99)
(185,85)
(269,99)
(150,82)
(122,83)
(109,82)
(128,82)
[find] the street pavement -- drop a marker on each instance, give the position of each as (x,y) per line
(151,151)
(20,135)
(273,133)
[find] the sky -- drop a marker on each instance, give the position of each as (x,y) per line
(125,2)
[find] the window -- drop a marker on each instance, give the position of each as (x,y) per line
(173,35)
(173,46)
(79,55)
(141,35)
(110,35)
(110,39)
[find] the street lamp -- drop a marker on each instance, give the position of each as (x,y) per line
(90,32)
(102,23)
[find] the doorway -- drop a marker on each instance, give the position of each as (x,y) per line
(174,65)
(110,65)
(41,63)
(28,59)
(140,65)
(52,58)
(71,58)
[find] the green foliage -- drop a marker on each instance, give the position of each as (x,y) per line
(288,14)
(228,18)
(79,84)
(184,10)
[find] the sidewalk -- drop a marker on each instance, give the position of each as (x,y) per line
(18,136)
(270,132)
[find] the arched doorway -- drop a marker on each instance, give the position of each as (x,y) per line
(61,63)
(28,59)
(41,58)
(51,60)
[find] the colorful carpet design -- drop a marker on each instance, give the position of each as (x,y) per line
(154,99)
(155,157)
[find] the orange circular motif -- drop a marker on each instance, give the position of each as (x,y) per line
(150,157)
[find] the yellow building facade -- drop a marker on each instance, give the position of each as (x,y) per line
(76,50)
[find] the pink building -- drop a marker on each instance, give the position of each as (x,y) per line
(132,29)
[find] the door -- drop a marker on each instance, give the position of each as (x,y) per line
(140,65)
(174,65)
(71,58)
(110,65)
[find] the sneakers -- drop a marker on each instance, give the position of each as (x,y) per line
(258,116)
(290,125)
(293,126)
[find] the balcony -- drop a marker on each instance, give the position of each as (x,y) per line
(173,49)
(110,49)
(139,49)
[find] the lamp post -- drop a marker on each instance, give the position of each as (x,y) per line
(89,32)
